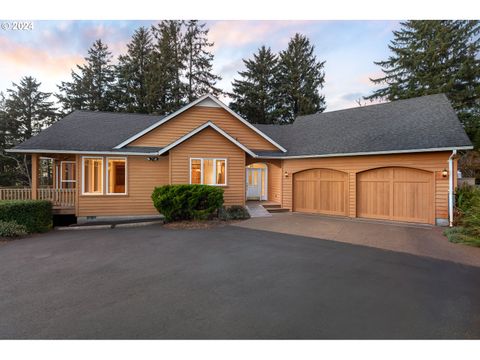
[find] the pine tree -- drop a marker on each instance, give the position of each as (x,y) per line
(254,95)
(431,57)
(27,111)
(167,89)
(91,87)
(133,71)
(300,77)
(199,62)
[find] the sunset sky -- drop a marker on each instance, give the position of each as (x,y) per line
(52,48)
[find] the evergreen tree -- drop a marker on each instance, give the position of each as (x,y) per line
(90,88)
(199,62)
(431,57)
(26,111)
(254,95)
(300,77)
(167,89)
(133,71)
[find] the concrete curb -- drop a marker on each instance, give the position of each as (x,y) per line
(109,226)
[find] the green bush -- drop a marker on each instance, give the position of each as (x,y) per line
(9,229)
(35,215)
(467,217)
(234,212)
(186,202)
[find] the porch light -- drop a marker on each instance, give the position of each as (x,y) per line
(153,158)
(286,173)
(445,173)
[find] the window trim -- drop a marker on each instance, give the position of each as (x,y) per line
(102,176)
(61,172)
(107,175)
(214,170)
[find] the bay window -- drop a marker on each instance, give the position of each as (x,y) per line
(92,175)
(208,171)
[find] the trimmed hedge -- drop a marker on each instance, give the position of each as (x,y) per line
(234,212)
(35,215)
(10,229)
(186,202)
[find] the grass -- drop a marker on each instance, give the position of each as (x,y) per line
(460,235)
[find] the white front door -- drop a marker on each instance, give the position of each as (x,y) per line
(255,178)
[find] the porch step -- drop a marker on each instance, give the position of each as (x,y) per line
(277,209)
(271,206)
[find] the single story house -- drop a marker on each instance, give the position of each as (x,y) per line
(392,161)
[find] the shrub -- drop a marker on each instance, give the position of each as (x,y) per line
(467,219)
(234,212)
(9,229)
(35,215)
(186,202)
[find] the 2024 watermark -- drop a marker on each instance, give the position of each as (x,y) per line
(16,25)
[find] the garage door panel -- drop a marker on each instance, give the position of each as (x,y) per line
(321,191)
(402,194)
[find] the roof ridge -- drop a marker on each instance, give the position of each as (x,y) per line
(374,105)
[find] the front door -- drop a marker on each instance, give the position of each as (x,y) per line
(254,184)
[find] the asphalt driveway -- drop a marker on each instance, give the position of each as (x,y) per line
(227,282)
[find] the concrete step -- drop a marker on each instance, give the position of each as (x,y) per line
(272,206)
(277,210)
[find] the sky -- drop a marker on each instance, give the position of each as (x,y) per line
(52,48)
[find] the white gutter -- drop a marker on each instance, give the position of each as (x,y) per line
(450,187)
(46,151)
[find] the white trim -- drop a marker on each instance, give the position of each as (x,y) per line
(83,176)
(107,179)
(188,106)
(61,172)
(390,152)
(450,188)
(214,170)
(29,151)
(200,128)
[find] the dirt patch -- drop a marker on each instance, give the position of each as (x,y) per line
(193,224)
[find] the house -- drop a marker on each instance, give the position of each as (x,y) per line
(393,161)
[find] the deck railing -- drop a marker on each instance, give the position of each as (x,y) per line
(61,198)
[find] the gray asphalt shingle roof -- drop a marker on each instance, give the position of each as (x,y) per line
(426,122)
(90,131)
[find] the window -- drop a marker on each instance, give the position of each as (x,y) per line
(92,176)
(67,175)
(117,176)
(208,171)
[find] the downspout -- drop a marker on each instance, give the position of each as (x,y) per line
(450,188)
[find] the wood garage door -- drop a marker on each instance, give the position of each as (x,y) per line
(321,191)
(393,193)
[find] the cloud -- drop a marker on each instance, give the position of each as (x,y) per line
(352,96)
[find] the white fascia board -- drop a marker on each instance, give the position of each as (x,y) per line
(45,151)
(389,152)
(200,128)
(188,106)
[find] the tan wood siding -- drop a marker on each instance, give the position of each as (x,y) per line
(142,177)
(274,181)
(402,194)
(322,191)
(433,162)
(210,144)
(196,116)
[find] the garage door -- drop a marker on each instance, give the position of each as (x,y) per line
(393,193)
(321,191)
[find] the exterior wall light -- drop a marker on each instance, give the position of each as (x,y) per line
(153,158)
(445,173)
(286,173)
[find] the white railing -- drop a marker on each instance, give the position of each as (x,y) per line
(64,198)
(59,197)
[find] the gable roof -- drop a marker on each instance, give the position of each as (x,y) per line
(209,98)
(426,123)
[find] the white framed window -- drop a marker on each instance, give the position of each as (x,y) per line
(67,175)
(208,171)
(92,175)
(116,175)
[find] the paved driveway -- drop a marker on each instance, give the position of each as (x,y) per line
(422,240)
(227,282)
